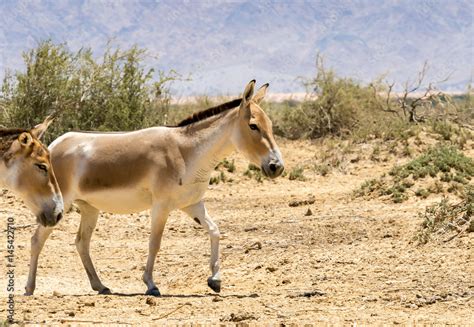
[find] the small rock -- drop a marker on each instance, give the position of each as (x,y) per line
(471,226)
(89,304)
(308,212)
(151,301)
(71,314)
(253,295)
(250,229)
(297,203)
(254,246)
(430,300)
(271,269)
(217,299)
(312,293)
(228,246)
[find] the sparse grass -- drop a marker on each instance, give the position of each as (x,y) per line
(254,172)
(422,193)
(322,169)
(449,168)
(221,177)
(297,173)
(375,156)
(228,165)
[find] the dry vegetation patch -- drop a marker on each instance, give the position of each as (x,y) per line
(445,221)
(442,168)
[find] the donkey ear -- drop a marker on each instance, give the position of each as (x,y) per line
(39,130)
(248,92)
(25,139)
(262,91)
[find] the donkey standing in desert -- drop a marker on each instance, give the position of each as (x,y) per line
(162,168)
(25,169)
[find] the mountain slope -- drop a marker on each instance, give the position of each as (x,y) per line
(225,44)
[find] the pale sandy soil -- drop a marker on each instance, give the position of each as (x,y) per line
(355,255)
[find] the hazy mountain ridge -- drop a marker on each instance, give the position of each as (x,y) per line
(225,44)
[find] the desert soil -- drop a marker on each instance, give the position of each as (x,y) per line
(347,261)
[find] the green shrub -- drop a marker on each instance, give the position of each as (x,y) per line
(446,164)
(116,93)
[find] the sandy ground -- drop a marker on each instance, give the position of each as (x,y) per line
(350,261)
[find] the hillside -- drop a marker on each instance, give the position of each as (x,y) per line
(224,44)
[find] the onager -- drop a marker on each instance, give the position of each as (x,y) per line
(162,168)
(25,169)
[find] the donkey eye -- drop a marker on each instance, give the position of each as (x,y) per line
(42,167)
(253,127)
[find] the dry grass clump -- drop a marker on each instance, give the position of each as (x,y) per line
(444,220)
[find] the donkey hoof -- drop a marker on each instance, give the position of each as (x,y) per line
(214,284)
(153,292)
(105,291)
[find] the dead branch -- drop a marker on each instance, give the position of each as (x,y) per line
(385,104)
(171,312)
(410,103)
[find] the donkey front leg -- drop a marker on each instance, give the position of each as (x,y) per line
(159,215)
(198,212)
(37,242)
(89,217)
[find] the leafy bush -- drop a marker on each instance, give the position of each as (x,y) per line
(115,93)
(335,106)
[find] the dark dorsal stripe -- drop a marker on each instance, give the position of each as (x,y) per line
(198,116)
(5,132)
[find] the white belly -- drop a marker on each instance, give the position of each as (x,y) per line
(124,201)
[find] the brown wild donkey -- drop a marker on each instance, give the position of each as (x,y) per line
(162,168)
(25,169)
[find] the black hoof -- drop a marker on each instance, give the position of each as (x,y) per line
(105,291)
(215,285)
(153,292)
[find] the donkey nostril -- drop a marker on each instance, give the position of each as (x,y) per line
(59,217)
(273,167)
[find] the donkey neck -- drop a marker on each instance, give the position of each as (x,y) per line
(205,143)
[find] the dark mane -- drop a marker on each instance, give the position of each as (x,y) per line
(11,131)
(201,115)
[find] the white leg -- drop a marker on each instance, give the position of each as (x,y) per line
(37,242)
(159,215)
(198,211)
(89,217)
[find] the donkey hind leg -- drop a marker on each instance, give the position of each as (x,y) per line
(159,215)
(89,217)
(198,212)
(37,242)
